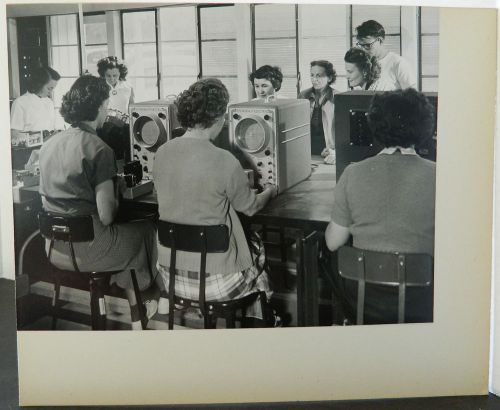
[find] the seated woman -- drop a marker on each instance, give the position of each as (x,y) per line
(320,95)
(387,202)
(362,70)
(115,130)
(266,81)
(78,176)
(200,184)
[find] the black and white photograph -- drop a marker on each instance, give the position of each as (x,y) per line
(209,166)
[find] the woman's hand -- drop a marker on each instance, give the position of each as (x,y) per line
(272,188)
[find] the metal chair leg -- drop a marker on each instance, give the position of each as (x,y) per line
(97,304)
(55,301)
(138,298)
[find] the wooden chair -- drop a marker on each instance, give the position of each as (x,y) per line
(203,240)
(390,269)
(74,229)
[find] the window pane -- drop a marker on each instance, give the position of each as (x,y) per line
(388,16)
(95,29)
(429,20)
(63,29)
(219,58)
(393,43)
(274,20)
(140,59)
(279,52)
(93,55)
(332,50)
(218,23)
(341,84)
(175,85)
(144,88)
(232,87)
(65,60)
(316,20)
(430,55)
(178,23)
(179,59)
(139,26)
(430,84)
(63,86)
(288,87)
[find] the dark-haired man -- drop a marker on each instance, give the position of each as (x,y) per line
(396,72)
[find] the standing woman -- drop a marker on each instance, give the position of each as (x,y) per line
(34,110)
(320,95)
(115,131)
(200,184)
(78,176)
(266,81)
(362,70)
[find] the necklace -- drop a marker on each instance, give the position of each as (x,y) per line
(114,92)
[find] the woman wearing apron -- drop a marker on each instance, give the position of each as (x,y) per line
(115,130)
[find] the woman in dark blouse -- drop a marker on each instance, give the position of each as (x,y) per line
(78,176)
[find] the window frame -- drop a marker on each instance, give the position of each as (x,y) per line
(122,39)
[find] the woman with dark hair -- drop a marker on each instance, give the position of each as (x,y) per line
(200,184)
(266,81)
(34,111)
(115,130)
(386,202)
(362,70)
(78,176)
(320,95)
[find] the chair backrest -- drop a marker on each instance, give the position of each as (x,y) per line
(194,238)
(69,229)
(383,268)
(191,238)
(66,228)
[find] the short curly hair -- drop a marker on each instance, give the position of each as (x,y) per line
(202,103)
(82,101)
(108,63)
(329,70)
(368,65)
(401,118)
(40,76)
(370,28)
(269,73)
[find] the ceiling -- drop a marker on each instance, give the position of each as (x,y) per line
(49,9)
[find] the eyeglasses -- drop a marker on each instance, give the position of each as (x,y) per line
(366,46)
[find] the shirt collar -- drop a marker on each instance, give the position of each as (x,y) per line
(404,151)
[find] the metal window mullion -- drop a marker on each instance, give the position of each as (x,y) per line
(158,72)
(198,38)
(297,68)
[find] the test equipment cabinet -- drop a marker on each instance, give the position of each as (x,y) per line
(152,123)
(353,138)
(275,136)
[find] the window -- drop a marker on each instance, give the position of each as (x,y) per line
(218,46)
(276,42)
(429,48)
(178,49)
(64,52)
(322,40)
(139,52)
(95,40)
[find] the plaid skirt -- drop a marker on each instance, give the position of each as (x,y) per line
(227,286)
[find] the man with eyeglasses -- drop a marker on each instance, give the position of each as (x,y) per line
(396,72)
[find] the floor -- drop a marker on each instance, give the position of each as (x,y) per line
(9,383)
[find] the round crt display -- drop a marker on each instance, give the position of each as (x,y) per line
(251,135)
(147,131)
